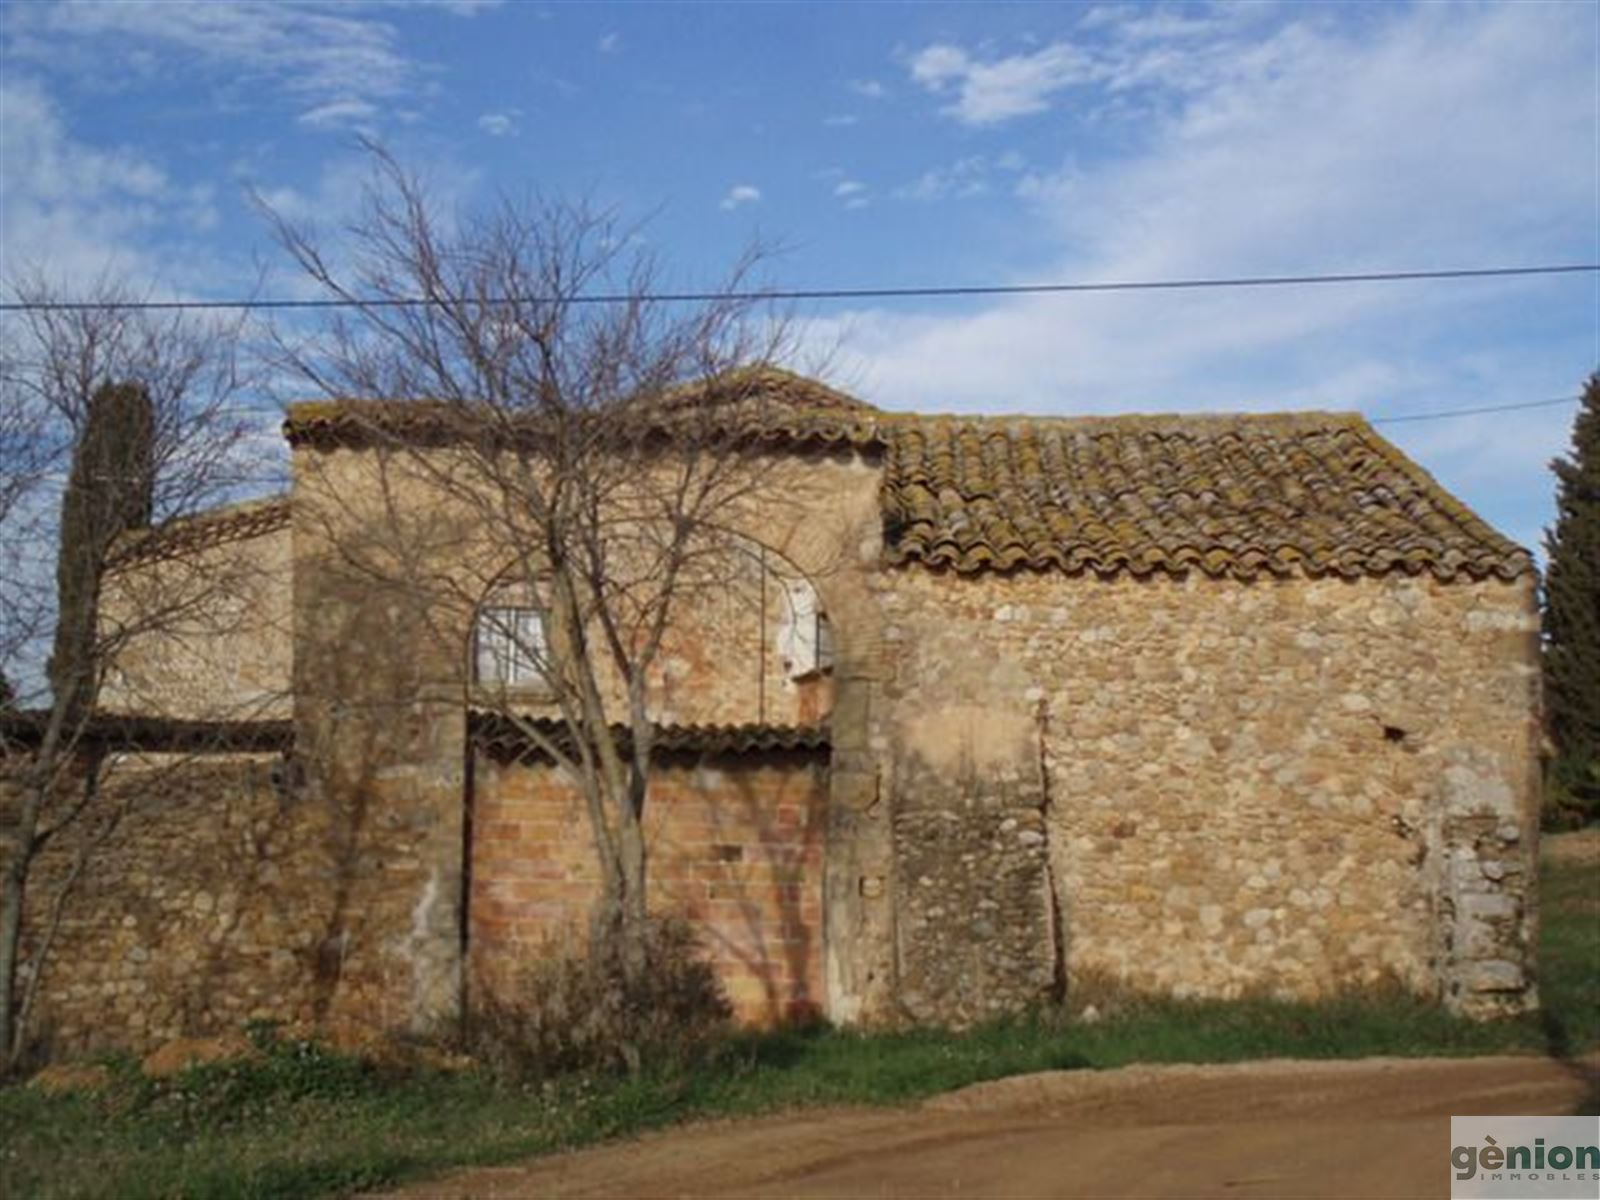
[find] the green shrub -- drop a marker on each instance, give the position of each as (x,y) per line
(1571,795)
(578,1012)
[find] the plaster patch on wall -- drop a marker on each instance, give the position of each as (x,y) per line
(968,736)
(419,943)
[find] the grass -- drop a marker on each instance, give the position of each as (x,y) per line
(301,1121)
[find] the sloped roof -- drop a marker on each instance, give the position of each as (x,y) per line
(166,735)
(185,535)
(503,738)
(747,405)
(1241,495)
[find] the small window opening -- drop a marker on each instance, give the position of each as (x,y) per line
(805,638)
(509,646)
(824,642)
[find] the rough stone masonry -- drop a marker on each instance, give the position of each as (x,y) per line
(1208,706)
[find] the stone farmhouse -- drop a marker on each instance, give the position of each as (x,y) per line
(1204,705)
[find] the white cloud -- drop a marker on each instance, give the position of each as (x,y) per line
(499,124)
(349,112)
(333,198)
(1135,50)
(288,202)
(1143,23)
(1421,137)
(990,92)
(79,211)
(870,88)
(965,178)
(328,57)
(740,194)
(852,192)
(610,43)
(841,120)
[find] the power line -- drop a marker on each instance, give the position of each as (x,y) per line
(863,293)
(1472,412)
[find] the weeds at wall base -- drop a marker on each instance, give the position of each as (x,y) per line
(300,1120)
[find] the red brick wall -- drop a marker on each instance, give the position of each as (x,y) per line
(735,845)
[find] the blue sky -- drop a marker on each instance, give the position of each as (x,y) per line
(907,144)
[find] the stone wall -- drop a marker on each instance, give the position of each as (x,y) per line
(373,530)
(1189,786)
(1287,786)
(208,631)
(222,894)
(1200,786)
(215,892)
(735,846)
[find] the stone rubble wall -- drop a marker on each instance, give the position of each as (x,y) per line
(735,846)
(209,632)
(1194,786)
(974,921)
(1286,787)
(224,894)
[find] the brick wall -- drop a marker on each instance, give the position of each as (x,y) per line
(735,845)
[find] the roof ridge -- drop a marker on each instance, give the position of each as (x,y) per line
(1294,418)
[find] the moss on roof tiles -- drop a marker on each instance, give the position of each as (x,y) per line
(1241,496)
(763,405)
(1238,495)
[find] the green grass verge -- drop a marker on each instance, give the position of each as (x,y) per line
(304,1122)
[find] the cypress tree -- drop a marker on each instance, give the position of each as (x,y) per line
(1572,618)
(109,491)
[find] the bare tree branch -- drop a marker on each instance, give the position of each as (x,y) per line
(584,448)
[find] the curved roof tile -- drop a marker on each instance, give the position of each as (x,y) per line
(1229,495)
(185,535)
(1240,496)
(507,737)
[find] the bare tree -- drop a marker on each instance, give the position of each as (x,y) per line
(111,417)
(525,372)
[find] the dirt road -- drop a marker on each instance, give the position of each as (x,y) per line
(1371,1128)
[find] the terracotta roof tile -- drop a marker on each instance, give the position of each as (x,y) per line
(500,736)
(757,405)
(1240,495)
(117,731)
(211,528)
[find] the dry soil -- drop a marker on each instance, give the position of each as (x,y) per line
(1370,1128)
